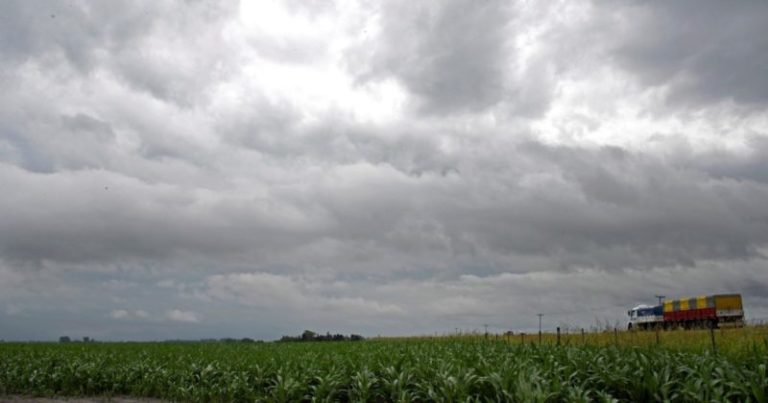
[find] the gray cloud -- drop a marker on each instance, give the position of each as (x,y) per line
(703,52)
(50,31)
(453,55)
(605,207)
(133,40)
(752,166)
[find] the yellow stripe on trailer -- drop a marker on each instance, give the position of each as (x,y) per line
(728,302)
(668,306)
(701,302)
(684,305)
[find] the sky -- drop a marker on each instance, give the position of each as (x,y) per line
(208,169)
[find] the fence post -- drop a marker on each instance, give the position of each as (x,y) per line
(712,337)
(522,338)
(558,335)
(616,335)
(583,337)
(658,338)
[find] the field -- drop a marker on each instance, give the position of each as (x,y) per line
(593,367)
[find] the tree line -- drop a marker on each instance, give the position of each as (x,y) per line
(309,335)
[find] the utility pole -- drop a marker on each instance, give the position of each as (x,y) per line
(540,315)
(660,297)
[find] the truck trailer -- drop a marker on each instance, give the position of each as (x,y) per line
(705,311)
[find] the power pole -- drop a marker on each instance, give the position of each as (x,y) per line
(660,297)
(540,315)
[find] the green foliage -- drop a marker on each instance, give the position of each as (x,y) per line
(382,371)
(309,336)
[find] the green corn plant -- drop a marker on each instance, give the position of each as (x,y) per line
(362,386)
(463,369)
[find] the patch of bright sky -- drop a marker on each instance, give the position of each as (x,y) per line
(609,108)
(321,85)
(271,18)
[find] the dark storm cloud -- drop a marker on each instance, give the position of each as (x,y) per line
(99,217)
(453,55)
(704,51)
(605,208)
(609,208)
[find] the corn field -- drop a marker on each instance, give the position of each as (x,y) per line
(424,370)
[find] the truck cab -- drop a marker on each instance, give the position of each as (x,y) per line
(645,317)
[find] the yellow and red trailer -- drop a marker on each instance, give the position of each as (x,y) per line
(719,310)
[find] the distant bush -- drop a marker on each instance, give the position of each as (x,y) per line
(309,335)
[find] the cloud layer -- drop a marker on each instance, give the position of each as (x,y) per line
(257,169)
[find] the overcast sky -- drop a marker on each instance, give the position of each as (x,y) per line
(188,169)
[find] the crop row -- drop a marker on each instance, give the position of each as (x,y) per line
(381,371)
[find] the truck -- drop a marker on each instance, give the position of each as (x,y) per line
(704,311)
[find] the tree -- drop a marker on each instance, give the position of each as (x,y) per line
(64,339)
(308,335)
